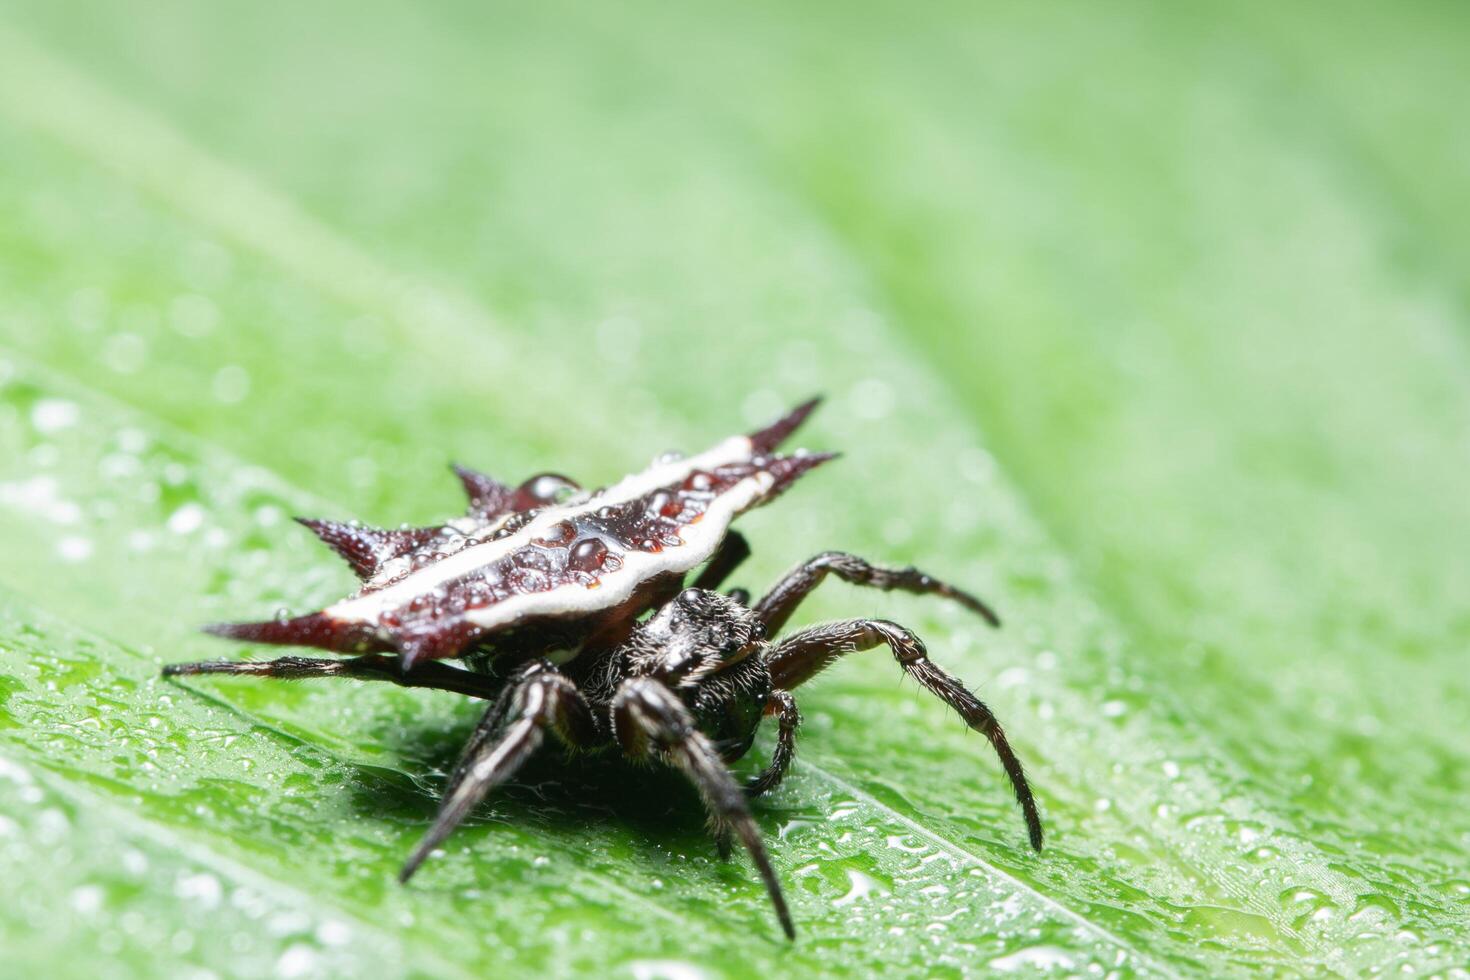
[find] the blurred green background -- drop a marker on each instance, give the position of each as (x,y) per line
(1147,321)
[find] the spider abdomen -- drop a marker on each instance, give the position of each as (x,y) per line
(543,552)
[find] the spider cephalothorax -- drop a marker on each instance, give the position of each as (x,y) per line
(570,612)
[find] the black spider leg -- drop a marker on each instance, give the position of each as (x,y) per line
(648,717)
(491,722)
(783,706)
(437,676)
(802,655)
(776,607)
(543,701)
(732,552)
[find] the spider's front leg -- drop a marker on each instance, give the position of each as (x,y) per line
(539,700)
(801,656)
(776,607)
(649,719)
(783,706)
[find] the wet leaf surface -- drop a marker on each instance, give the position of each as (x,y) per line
(1145,325)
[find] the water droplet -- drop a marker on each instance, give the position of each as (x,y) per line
(588,555)
(333,933)
(900,842)
(73,548)
(87,900)
(665,970)
(976,465)
(187,519)
(862,886)
(558,535)
(298,960)
(205,264)
(125,353)
(54,414)
(542,490)
(192,315)
(1016,677)
(871,398)
(40,495)
(231,384)
(1034,959)
(202,888)
(132,440)
(87,308)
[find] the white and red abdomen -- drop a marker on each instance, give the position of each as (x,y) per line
(432,593)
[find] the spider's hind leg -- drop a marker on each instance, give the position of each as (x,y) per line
(776,607)
(801,656)
(436,676)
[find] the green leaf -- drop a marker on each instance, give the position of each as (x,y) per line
(1144,323)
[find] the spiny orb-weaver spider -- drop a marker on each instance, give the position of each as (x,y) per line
(541,590)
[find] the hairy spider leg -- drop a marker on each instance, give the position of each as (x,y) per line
(491,722)
(543,701)
(801,656)
(783,706)
(434,675)
(648,718)
(732,552)
(776,607)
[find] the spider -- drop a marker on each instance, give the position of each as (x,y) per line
(571,614)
